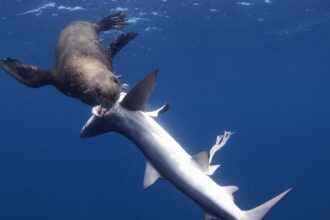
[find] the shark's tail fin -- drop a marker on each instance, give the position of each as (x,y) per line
(261,211)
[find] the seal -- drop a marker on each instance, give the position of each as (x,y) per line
(83,68)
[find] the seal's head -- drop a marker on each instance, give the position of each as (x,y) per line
(107,92)
(102,91)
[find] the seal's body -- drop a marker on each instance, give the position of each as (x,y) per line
(82,61)
(83,69)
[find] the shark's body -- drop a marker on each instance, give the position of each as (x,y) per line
(167,159)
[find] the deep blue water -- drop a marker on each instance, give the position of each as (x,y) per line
(259,68)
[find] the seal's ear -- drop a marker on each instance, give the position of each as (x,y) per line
(27,74)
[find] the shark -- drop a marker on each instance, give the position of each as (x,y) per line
(167,159)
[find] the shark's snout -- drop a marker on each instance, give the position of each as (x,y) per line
(84,132)
(97,125)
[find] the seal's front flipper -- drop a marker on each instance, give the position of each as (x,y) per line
(114,21)
(27,74)
(120,42)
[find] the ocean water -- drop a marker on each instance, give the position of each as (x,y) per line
(256,67)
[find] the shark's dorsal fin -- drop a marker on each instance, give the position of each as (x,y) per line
(136,99)
(151,175)
(202,159)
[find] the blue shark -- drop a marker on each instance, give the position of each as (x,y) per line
(167,159)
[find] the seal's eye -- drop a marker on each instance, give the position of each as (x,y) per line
(115,79)
(97,91)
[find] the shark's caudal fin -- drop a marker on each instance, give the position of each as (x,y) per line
(261,211)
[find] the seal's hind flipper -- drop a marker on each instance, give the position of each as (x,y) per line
(114,21)
(120,42)
(27,74)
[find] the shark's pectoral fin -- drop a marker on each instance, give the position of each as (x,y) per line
(136,99)
(202,159)
(159,111)
(151,175)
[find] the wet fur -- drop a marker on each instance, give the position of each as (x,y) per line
(82,61)
(83,69)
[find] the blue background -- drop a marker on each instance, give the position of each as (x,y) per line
(259,68)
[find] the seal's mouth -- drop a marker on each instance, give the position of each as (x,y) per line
(100,111)
(107,100)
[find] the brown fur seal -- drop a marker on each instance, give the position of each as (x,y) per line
(83,69)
